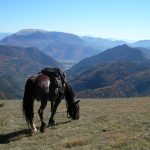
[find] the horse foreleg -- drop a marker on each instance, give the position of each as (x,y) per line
(53,111)
(41,111)
(52,105)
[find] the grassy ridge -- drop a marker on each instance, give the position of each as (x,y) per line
(105,124)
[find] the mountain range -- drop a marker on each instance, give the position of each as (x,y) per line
(101,44)
(111,74)
(61,46)
(119,53)
(142,43)
(105,68)
(64,46)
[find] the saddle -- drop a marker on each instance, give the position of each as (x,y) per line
(57,77)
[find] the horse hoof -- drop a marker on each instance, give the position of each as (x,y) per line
(51,123)
(42,130)
(42,127)
(34,130)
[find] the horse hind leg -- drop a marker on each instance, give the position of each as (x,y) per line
(33,127)
(31,123)
(41,111)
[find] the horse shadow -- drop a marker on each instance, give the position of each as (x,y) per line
(61,123)
(17,135)
(7,138)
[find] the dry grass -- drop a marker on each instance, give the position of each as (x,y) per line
(104,124)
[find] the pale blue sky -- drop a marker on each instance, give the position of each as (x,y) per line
(120,19)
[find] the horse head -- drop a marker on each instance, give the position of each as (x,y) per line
(73,110)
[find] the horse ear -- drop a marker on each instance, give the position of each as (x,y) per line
(77,102)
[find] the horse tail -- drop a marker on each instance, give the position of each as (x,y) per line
(28,101)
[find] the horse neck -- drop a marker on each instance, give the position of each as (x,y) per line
(69,95)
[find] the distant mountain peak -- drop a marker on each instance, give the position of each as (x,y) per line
(122,53)
(29,31)
(124,45)
(120,47)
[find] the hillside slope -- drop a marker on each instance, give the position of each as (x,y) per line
(134,85)
(16,64)
(104,75)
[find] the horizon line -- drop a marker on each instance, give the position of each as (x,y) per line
(80,35)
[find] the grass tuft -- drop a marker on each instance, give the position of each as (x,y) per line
(1,104)
(104,130)
(75,142)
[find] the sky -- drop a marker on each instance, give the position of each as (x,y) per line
(118,19)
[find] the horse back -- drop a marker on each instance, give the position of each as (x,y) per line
(41,84)
(44,87)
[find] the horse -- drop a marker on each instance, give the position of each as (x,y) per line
(43,89)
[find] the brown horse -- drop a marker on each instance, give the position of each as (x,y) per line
(42,88)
